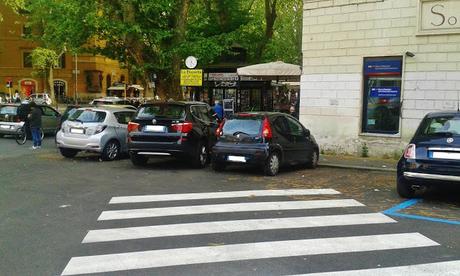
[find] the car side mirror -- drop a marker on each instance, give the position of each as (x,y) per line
(307,132)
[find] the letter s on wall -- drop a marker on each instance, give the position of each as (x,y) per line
(438,13)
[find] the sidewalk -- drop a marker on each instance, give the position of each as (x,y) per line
(354,162)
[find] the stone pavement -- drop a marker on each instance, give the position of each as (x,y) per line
(354,162)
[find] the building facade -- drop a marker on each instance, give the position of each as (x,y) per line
(372,69)
(93,76)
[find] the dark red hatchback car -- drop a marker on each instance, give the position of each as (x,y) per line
(265,139)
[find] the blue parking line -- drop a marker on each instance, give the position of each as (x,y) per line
(406,204)
(453,222)
(401,206)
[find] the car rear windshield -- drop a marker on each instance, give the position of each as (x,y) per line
(88,116)
(10,110)
(241,125)
(167,111)
(441,126)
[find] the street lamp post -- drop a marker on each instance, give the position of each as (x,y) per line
(76,79)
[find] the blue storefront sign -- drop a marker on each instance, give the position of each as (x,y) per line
(385,92)
(384,67)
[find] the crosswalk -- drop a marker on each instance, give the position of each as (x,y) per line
(255,202)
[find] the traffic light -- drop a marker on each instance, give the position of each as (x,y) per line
(9,84)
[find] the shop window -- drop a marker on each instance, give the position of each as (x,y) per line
(27,59)
(382,95)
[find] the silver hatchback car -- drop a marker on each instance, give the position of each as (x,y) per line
(95,129)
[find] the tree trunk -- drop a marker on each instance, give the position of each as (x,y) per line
(51,85)
(270,19)
(179,38)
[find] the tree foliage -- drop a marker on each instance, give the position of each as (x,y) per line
(155,36)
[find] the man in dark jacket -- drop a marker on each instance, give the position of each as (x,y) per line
(35,122)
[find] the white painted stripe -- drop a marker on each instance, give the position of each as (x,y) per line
(143,232)
(227,208)
(238,252)
(443,268)
(194,196)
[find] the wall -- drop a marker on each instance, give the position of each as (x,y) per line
(337,35)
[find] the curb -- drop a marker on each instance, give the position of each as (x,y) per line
(341,166)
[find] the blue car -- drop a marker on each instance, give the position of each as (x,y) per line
(433,156)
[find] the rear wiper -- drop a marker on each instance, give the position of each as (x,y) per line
(240,132)
(76,120)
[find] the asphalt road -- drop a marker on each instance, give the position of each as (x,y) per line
(49,205)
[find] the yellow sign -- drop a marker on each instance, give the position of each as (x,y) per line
(191,77)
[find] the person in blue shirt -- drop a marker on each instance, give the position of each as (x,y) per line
(219,110)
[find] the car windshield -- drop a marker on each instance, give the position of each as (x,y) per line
(243,126)
(168,111)
(10,110)
(441,126)
(88,116)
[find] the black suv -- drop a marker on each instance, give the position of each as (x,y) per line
(265,139)
(180,129)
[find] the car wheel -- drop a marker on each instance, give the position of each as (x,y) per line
(218,166)
(68,153)
(404,188)
(201,157)
(313,162)
(111,151)
(138,160)
(272,165)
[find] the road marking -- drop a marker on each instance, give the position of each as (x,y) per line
(234,194)
(239,252)
(227,208)
(394,211)
(143,232)
(443,268)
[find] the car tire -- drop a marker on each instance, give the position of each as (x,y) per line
(138,160)
(200,159)
(111,151)
(218,166)
(68,153)
(272,164)
(404,188)
(312,163)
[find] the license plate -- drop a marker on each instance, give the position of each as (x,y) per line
(4,126)
(232,158)
(155,129)
(77,130)
(445,155)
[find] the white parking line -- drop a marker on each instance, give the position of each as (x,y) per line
(143,232)
(237,252)
(227,208)
(442,268)
(233,194)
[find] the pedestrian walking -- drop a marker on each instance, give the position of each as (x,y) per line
(17,97)
(35,122)
(219,110)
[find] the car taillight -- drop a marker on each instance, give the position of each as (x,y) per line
(133,127)
(219,130)
(185,127)
(266,129)
(409,153)
(100,128)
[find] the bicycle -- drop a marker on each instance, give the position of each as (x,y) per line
(21,135)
